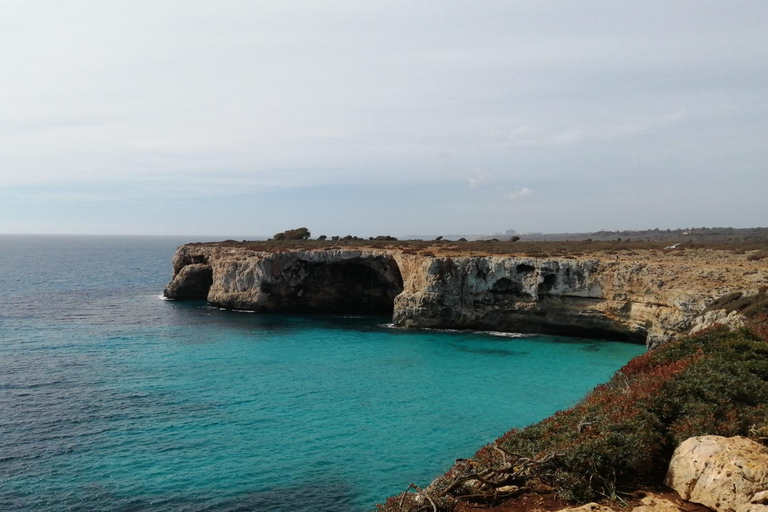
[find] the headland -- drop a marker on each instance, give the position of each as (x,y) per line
(642,291)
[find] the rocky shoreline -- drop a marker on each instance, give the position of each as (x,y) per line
(647,296)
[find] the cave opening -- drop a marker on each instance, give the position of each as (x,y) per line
(355,286)
(194,283)
(549,282)
(524,268)
(507,286)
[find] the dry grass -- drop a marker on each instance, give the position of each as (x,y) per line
(755,251)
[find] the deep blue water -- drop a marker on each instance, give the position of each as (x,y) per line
(112,399)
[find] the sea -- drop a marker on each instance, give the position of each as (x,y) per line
(112,398)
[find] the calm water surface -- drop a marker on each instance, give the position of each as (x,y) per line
(112,399)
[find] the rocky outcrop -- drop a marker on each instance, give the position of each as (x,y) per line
(650,296)
(521,294)
(304,281)
(724,474)
(192,282)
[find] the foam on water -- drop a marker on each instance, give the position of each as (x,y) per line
(114,400)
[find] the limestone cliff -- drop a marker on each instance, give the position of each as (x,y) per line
(644,296)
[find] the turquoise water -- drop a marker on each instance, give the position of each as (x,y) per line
(113,399)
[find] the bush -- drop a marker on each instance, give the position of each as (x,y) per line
(293,234)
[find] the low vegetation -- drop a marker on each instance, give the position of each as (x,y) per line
(622,435)
(558,249)
(750,306)
(293,234)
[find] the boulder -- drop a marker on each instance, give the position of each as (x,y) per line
(654,503)
(589,507)
(724,474)
(650,503)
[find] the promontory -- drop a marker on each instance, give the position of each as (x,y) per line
(643,292)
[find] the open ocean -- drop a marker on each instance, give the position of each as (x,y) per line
(113,399)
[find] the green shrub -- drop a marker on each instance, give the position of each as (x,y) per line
(293,234)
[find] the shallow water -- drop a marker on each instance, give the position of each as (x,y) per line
(112,399)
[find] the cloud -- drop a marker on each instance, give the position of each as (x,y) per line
(117,100)
(519,192)
(577,134)
(479,178)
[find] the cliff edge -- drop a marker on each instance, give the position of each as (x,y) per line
(644,295)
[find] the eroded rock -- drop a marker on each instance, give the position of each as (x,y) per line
(719,316)
(191,282)
(651,298)
(655,503)
(724,474)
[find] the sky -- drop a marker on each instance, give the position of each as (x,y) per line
(245,118)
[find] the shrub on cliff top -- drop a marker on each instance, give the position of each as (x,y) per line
(623,433)
(293,234)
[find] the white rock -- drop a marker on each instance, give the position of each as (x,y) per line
(721,473)
(589,507)
(653,503)
(717,317)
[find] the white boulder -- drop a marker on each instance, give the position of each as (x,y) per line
(726,474)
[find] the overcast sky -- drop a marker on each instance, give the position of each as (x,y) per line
(384,117)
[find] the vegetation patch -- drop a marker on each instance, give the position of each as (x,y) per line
(293,234)
(299,239)
(751,306)
(622,435)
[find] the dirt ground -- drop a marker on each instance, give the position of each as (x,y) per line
(548,502)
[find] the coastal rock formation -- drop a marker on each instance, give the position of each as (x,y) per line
(192,282)
(649,297)
(724,474)
(305,281)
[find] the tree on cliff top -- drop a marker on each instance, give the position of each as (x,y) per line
(293,234)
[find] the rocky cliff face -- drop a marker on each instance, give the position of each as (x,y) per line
(648,296)
(305,281)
